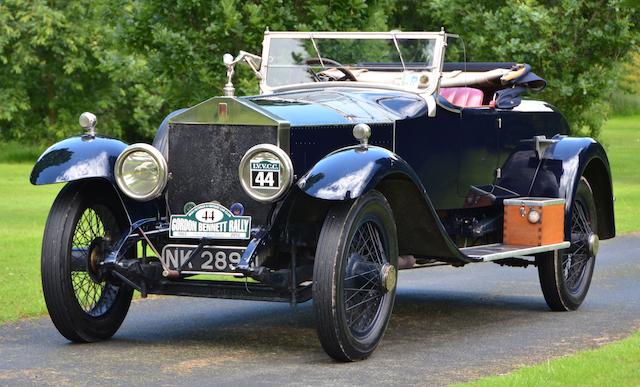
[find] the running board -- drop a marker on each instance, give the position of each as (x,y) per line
(485,253)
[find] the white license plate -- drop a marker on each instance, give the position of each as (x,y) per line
(211,259)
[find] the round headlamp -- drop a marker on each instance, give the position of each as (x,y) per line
(141,172)
(266,172)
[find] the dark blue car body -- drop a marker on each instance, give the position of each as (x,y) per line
(323,186)
(450,160)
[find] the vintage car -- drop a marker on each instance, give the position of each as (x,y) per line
(364,153)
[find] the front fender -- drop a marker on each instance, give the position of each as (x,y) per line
(564,163)
(77,158)
(350,172)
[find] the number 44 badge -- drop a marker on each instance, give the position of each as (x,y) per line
(265,174)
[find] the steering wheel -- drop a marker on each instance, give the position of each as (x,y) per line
(348,75)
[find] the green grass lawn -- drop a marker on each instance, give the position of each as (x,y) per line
(621,137)
(616,364)
(23,212)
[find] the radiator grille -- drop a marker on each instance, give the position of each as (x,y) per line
(203,162)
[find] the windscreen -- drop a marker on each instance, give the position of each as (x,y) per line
(302,60)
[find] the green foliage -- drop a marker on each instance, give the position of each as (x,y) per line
(182,42)
(625,97)
(575,45)
(17,152)
(623,104)
(49,67)
(630,74)
(134,61)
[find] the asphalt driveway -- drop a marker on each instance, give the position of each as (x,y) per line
(448,325)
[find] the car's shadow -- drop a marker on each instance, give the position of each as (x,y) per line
(261,327)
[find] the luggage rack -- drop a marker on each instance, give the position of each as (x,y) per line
(492,252)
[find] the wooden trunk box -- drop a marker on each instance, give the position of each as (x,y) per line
(522,226)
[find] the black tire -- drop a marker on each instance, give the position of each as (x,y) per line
(354,280)
(82,309)
(565,276)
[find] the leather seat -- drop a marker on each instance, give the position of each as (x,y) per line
(463,96)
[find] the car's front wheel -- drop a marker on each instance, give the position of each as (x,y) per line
(354,278)
(83,306)
(565,276)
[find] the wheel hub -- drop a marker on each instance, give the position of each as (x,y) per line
(593,243)
(94,257)
(388,277)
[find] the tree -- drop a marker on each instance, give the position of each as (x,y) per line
(575,45)
(630,75)
(48,67)
(182,42)
(134,61)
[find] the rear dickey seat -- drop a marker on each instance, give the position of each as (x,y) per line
(463,96)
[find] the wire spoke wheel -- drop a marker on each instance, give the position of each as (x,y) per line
(84,304)
(575,262)
(363,293)
(565,276)
(354,277)
(94,297)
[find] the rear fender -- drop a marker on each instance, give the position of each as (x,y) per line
(564,163)
(349,173)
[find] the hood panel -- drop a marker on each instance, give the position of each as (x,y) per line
(341,106)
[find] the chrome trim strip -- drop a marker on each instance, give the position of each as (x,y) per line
(393,140)
(284,136)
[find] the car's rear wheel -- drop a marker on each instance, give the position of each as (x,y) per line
(565,276)
(354,278)
(83,306)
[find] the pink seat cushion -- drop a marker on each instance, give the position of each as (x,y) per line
(463,96)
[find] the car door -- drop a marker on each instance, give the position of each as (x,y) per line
(430,145)
(479,154)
